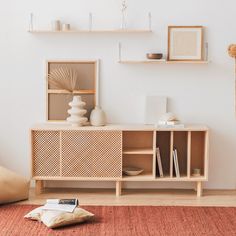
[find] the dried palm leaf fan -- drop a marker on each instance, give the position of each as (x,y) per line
(64,78)
(232,53)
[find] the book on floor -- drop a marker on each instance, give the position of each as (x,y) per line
(66,205)
(159,163)
(72,201)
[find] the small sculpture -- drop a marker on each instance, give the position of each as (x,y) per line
(77,112)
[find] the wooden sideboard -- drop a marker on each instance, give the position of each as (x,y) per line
(63,152)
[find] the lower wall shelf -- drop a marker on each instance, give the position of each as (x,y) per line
(162,61)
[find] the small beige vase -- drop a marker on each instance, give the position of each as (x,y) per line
(98,117)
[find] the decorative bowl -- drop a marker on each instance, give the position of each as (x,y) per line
(154,56)
(132,171)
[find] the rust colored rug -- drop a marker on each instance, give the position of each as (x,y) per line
(128,221)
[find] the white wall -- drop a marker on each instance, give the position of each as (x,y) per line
(198,93)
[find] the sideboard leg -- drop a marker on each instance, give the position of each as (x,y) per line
(38,186)
(199,189)
(118,188)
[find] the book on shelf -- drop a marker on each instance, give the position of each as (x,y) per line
(176,163)
(66,205)
(159,163)
(170,124)
(173,122)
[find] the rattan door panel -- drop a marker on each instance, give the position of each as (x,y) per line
(95,154)
(46,153)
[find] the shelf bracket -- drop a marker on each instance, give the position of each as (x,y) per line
(119,48)
(31,22)
(150,21)
(90,21)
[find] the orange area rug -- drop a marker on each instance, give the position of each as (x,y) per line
(127,221)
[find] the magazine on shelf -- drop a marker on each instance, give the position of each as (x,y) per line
(176,163)
(66,205)
(158,155)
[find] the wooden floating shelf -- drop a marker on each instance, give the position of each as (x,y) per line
(128,151)
(142,61)
(161,62)
(61,91)
(127,31)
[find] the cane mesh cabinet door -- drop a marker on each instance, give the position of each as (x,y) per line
(91,154)
(45,153)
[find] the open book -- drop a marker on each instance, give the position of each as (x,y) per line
(67,205)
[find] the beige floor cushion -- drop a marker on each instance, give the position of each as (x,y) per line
(13,187)
(54,219)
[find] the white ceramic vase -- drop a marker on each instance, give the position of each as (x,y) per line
(98,117)
(77,112)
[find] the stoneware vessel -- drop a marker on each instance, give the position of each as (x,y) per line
(77,112)
(98,117)
(65,27)
(56,25)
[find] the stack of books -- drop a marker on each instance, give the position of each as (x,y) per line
(66,205)
(170,124)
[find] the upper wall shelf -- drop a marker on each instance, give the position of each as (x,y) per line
(90,29)
(117,31)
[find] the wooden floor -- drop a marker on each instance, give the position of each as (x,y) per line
(138,197)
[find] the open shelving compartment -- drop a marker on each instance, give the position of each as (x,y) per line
(180,143)
(138,151)
(199,153)
(192,152)
(163,141)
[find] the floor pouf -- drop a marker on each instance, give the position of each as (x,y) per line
(13,187)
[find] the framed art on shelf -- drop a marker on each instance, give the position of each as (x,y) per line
(85,84)
(185,43)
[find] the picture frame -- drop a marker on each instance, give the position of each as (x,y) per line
(57,100)
(185,43)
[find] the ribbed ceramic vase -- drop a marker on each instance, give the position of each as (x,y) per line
(77,112)
(97,117)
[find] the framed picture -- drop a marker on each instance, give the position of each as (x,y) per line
(87,72)
(185,43)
